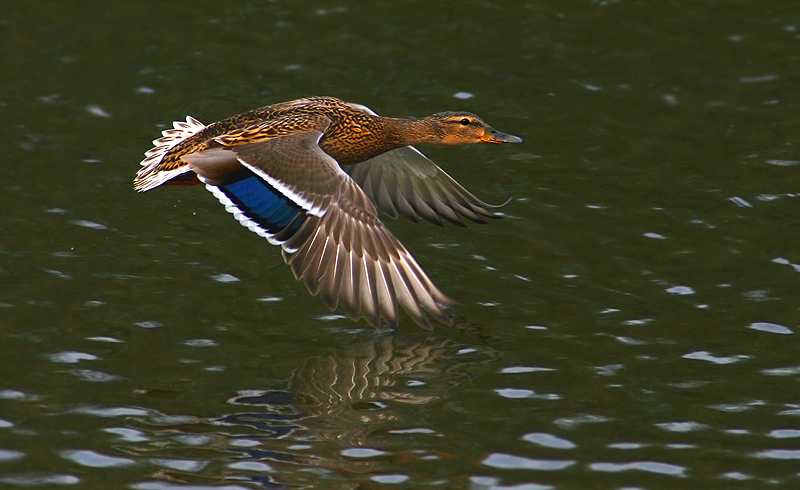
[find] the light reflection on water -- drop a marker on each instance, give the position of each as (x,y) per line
(358,402)
(359,413)
(630,324)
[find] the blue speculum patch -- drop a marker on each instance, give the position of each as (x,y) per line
(263,204)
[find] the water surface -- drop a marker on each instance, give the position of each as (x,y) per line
(630,324)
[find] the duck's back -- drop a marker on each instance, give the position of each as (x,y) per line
(352,135)
(164,163)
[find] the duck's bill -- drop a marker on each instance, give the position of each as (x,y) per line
(494,136)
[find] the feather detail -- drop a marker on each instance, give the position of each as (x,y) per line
(309,175)
(151,175)
(404,182)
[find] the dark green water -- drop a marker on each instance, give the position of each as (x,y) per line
(631,324)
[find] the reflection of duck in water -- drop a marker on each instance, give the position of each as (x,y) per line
(309,175)
(355,401)
(355,388)
(337,396)
(335,405)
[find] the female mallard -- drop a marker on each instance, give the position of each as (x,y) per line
(308,174)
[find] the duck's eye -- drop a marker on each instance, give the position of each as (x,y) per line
(465,122)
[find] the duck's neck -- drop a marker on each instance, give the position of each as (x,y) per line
(413,131)
(375,137)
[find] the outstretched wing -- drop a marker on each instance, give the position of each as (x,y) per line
(404,182)
(295,195)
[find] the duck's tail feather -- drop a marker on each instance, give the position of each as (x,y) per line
(159,165)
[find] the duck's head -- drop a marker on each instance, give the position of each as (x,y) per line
(460,128)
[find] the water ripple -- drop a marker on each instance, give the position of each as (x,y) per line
(784,433)
(10,455)
(39,479)
(71,357)
(225,278)
(680,290)
(127,435)
(159,485)
(740,202)
(782,163)
(390,479)
(149,324)
(511,462)
(681,426)
(736,475)
(782,261)
(362,452)
(707,356)
(269,299)
(649,466)
(568,422)
(778,454)
(95,376)
(548,440)
(524,369)
(89,224)
(413,430)
(491,483)
(251,466)
(627,445)
(189,465)
(17,395)
(200,343)
(93,459)
(108,412)
(110,340)
(784,371)
(521,393)
(771,328)
(736,407)
(98,111)
(194,439)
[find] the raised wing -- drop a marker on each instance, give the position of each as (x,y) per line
(404,182)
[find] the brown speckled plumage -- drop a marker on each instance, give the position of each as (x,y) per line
(278,170)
